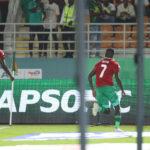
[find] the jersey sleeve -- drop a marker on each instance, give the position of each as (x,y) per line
(116,67)
(2,56)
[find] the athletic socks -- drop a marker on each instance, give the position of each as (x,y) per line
(117,121)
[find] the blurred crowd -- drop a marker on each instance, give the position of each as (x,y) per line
(62,15)
(116,10)
(104,10)
(52,15)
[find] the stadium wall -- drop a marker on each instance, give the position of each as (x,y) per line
(52,68)
(55,98)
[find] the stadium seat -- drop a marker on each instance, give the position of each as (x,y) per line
(121,30)
(134,30)
(134,43)
(87,19)
(107,31)
(106,42)
(146,19)
(121,34)
(148,36)
(148,42)
(134,36)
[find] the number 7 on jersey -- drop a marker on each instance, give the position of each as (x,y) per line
(104,66)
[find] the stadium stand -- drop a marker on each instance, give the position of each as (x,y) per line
(123,38)
(122,34)
(107,34)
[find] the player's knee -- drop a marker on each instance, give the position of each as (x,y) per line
(117,110)
(107,111)
(117,113)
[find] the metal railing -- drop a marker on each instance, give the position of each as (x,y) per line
(19,39)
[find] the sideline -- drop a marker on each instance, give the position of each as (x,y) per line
(105,146)
(1,128)
(75,135)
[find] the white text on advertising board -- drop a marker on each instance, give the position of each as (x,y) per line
(32,97)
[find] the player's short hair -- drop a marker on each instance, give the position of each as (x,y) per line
(109,52)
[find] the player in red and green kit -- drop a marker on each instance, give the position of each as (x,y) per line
(104,70)
(4,66)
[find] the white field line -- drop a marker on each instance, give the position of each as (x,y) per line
(1,128)
(103,146)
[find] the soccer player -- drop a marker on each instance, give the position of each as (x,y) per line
(104,70)
(4,66)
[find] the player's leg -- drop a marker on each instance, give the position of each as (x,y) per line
(40,38)
(117,117)
(54,35)
(64,39)
(32,36)
(97,106)
(113,97)
(72,44)
(45,38)
(102,100)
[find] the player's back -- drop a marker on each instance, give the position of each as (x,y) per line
(2,54)
(105,70)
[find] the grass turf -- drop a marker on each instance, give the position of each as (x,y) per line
(19,130)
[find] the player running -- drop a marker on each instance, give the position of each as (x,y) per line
(4,66)
(104,71)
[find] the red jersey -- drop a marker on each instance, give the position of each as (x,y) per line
(2,54)
(105,70)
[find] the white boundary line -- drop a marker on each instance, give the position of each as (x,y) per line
(75,135)
(1,128)
(103,146)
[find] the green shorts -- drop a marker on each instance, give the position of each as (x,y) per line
(106,94)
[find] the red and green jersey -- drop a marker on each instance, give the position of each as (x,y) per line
(2,56)
(105,70)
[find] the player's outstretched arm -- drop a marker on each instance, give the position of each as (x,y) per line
(119,82)
(4,66)
(91,74)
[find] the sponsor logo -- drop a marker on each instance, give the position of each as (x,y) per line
(36,72)
(23,74)
(53,100)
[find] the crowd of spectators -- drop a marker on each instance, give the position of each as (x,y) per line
(111,11)
(67,21)
(35,13)
(52,14)
(117,10)
(63,12)
(3,15)
(47,12)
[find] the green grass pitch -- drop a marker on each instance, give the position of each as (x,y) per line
(19,130)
